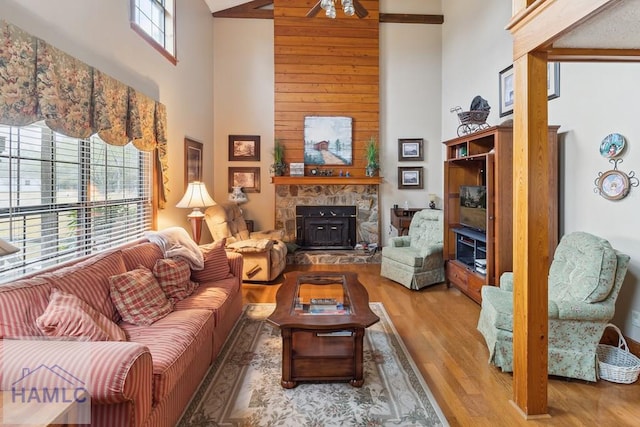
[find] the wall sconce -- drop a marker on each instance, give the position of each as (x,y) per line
(196,197)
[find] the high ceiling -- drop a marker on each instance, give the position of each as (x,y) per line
(216,5)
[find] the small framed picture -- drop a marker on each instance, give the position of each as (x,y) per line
(507,87)
(192,161)
(248,178)
(553,80)
(296,169)
(244,148)
(410,178)
(410,149)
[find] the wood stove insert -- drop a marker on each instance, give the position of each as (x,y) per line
(326,227)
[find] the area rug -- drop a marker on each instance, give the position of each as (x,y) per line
(243,387)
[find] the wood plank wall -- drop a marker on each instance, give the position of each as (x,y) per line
(326,67)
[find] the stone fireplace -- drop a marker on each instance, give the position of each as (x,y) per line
(326,227)
(362,197)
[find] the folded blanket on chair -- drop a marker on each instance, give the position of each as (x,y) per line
(175,242)
(252,245)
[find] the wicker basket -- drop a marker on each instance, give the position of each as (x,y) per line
(617,364)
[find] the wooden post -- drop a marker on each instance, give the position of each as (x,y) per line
(531,234)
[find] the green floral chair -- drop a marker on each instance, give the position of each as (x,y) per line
(416,260)
(584,281)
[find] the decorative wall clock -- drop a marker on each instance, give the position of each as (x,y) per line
(615,184)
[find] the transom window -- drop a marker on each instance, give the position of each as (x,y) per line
(154,20)
(62,198)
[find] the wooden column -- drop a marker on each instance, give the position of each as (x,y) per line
(531,234)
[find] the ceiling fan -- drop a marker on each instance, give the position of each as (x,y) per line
(349,7)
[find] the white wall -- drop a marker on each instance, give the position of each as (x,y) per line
(243,80)
(410,94)
(595,100)
(99,33)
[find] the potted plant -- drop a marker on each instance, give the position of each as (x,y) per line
(279,167)
(371,155)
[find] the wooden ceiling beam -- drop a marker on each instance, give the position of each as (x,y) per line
(251,10)
(406,18)
(254,10)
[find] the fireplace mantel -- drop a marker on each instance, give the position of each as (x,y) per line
(326,180)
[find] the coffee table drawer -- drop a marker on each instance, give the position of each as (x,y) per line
(322,368)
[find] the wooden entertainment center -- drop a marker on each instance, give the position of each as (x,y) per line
(485,158)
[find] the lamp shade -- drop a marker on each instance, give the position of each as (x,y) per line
(196,196)
(7,248)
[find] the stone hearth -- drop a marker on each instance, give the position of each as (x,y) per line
(363,196)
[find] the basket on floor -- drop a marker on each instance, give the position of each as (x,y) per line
(617,364)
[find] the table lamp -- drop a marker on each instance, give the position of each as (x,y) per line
(196,197)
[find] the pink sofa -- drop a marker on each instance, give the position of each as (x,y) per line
(149,379)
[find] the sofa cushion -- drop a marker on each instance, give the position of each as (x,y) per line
(173,342)
(174,277)
(138,296)
(583,269)
(145,254)
(89,281)
(21,302)
(216,264)
(212,296)
(69,316)
(404,255)
(497,306)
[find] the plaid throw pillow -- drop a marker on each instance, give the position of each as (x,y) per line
(138,297)
(174,277)
(69,316)
(216,264)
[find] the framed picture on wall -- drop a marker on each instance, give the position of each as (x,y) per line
(244,147)
(410,178)
(410,149)
(553,80)
(248,178)
(328,140)
(506,85)
(192,161)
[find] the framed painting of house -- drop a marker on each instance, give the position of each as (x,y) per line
(328,140)
(247,178)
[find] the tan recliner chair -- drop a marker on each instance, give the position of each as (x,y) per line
(264,252)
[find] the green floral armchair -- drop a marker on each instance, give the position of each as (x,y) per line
(416,260)
(584,281)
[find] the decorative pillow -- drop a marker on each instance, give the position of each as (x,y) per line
(69,316)
(174,277)
(138,297)
(216,263)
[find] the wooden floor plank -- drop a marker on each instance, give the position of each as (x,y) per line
(438,327)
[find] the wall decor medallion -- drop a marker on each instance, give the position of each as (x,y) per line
(612,145)
(615,184)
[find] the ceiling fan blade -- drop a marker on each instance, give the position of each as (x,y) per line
(314,10)
(360,9)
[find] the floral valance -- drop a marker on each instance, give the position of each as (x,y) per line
(40,82)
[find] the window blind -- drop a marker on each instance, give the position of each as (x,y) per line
(62,198)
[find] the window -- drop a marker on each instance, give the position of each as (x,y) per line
(154,20)
(62,198)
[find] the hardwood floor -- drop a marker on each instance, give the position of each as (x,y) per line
(438,327)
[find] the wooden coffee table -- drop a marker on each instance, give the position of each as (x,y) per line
(322,317)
